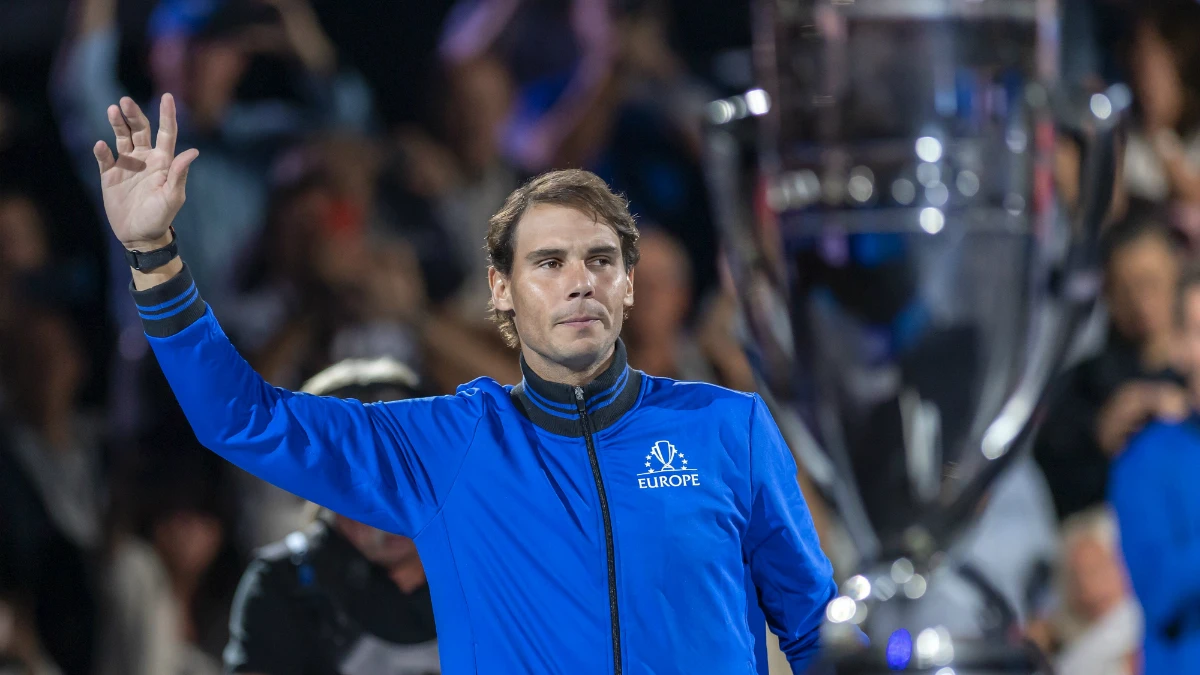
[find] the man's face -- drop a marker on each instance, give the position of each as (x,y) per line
(1141,289)
(568,290)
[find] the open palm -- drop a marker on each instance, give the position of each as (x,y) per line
(144,185)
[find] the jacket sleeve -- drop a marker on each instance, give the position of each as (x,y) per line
(1162,565)
(793,577)
(389,465)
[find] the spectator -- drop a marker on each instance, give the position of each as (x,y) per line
(22,236)
(476,179)
(203,53)
(1098,630)
(1097,404)
(656,334)
(51,483)
(1162,161)
(168,573)
(1153,491)
(340,596)
(22,249)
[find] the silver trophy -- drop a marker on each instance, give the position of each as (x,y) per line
(910,272)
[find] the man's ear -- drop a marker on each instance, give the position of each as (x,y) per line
(501,290)
(629,289)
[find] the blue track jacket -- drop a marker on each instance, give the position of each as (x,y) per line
(1152,489)
(620,527)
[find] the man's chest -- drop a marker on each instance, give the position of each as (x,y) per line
(680,485)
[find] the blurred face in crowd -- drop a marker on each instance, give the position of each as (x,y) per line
(204,74)
(1097,582)
(481,96)
(300,225)
(383,549)
(664,288)
(1141,288)
(215,69)
(22,237)
(188,542)
(568,290)
(46,370)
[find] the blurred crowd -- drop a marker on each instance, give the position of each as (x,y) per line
(338,210)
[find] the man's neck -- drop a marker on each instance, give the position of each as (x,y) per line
(563,374)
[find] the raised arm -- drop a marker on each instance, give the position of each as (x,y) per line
(84,78)
(792,574)
(388,465)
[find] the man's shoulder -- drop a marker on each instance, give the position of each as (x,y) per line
(467,404)
(664,392)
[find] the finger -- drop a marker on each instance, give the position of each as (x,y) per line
(168,127)
(121,129)
(138,124)
(104,156)
(177,175)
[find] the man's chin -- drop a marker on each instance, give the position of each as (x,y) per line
(583,350)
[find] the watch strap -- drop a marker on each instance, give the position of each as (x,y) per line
(143,261)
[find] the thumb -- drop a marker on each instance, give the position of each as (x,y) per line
(177,174)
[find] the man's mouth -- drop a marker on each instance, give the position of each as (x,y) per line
(581,321)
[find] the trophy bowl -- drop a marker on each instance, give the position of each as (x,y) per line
(909,273)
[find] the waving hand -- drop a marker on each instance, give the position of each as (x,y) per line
(143,185)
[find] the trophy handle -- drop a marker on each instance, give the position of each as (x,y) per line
(1101,143)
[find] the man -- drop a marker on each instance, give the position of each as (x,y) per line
(1102,401)
(1152,488)
(1100,621)
(591,519)
(339,597)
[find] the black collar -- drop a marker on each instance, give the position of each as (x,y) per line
(555,406)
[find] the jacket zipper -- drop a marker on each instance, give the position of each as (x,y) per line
(585,421)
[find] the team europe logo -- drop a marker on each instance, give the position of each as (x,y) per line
(666,467)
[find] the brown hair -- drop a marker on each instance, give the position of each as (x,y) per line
(581,190)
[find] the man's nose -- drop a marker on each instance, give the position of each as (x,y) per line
(582,281)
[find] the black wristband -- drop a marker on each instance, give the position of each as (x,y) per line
(144,261)
(170,307)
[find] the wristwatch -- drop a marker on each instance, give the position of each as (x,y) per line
(149,260)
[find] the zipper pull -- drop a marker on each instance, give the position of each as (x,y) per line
(579,402)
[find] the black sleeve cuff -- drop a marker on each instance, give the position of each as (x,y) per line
(169,307)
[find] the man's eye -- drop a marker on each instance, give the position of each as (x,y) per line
(550,264)
(603,262)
